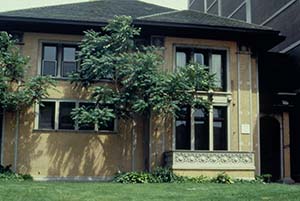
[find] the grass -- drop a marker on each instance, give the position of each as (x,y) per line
(60,191)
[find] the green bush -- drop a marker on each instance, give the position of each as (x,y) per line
(222,178)
(199,180)
(6,174)
(134,178)
(164,175)
(5,169)
(266,178)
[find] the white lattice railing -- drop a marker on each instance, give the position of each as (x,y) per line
(199,160)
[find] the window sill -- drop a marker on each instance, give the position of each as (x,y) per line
(214,93)
(69,79)
(75,131)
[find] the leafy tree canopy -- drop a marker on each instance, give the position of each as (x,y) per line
(137,83)
(16,92)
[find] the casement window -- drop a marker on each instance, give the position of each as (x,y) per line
(47,115)
(200,129)
(56,115)
(215,60)
(58,60)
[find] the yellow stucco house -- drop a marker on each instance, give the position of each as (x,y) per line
(48,145)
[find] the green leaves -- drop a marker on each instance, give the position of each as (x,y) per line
(138,84)
(17,92)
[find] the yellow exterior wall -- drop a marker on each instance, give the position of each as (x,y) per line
(75,153)
(242,86)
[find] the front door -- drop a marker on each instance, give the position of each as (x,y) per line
(270,147)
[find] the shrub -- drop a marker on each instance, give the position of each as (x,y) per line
(223,178)
(5,169)
(164,175)
(246,181)
(199,180)
(6,174)
(264,178)
(134,178)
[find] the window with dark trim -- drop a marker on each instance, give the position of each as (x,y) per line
(192,127)
(87,126)
(47,115)
(65,120)
(201,129)
(215,60)
(60,112)
(58,60)
(183,126)
(220,128)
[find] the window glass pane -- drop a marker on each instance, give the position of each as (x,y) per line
(199,58)
(216,68)
(201,129)
(69,54)
(50,53)
(183,125)
(109,127)
(65,120)
(220,128)
(180,59)
(68,68)
(49,68)
(47,115)
(87,126)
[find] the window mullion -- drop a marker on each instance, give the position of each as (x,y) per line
(210,62)
(76,122)
(56,122)
(37,115)
(211,129)
(96,125)
(192,114)
(59,60)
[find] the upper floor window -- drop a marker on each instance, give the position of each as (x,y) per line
(58,60)
(215,60)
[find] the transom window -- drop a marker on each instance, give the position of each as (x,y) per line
(58,60)
(56,115)
(200,129)
(215,60)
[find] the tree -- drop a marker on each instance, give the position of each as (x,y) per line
(139,86)
(17,92)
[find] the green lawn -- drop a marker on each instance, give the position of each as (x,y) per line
(44,191)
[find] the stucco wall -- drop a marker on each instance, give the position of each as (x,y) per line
(70,154)
(243,108)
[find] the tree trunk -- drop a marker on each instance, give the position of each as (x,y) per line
(16,140)
(147,142)
(134,143)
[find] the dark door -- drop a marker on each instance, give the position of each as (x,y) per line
(270,147)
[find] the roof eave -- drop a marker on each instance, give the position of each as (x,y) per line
(273,36)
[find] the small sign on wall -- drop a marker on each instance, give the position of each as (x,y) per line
(245,129)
